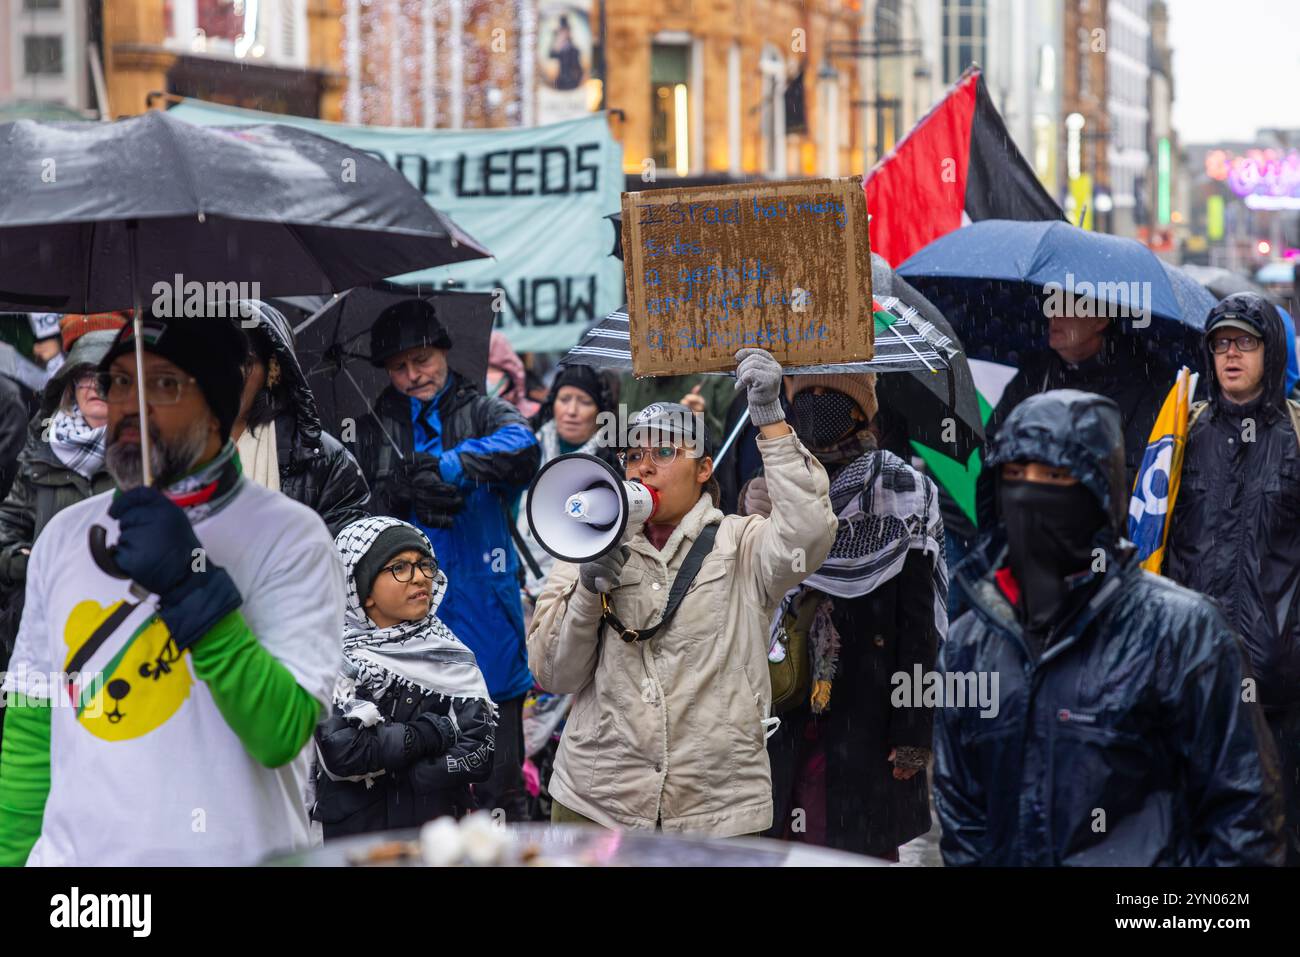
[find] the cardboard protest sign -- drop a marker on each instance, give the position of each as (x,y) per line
(781,266)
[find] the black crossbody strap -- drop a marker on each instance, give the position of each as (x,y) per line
(686,572)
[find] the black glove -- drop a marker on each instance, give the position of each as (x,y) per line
(434,734)
(158,549)
(435,501)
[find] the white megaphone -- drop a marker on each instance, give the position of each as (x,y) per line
(579,507)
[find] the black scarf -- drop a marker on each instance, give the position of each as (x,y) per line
(1052,531)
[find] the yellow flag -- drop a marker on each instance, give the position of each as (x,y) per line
(1156,489)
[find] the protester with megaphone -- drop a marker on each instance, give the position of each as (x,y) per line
(663,637)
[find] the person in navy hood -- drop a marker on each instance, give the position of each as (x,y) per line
(1118,734)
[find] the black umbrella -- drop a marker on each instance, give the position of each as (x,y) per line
(332,343)
(1222,283)
(95,214)
(88,206)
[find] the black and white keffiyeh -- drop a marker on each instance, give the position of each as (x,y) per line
(885,509)
(424,654)
(76,443)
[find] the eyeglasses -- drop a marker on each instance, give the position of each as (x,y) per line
(163,388)
(661,455)
(1245,343)
(404,571)
(87,380)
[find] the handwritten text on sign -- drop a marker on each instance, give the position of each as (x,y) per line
(714,269)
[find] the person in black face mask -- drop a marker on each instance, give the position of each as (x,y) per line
(1056,535)
(1115,732)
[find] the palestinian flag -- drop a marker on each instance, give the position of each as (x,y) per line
(958,161)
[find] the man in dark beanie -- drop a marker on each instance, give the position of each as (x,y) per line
(208,638)
(439,454)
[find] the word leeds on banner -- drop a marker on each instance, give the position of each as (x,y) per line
(713,269)
(535,197)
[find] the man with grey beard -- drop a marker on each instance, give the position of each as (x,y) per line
(216,676)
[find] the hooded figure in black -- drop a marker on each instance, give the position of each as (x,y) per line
(1235,531)
(279,432)
(1116,733)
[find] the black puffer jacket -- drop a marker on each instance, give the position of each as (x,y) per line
(417,783)
(315,468)
(17,406)
(1235,531)
(1127,742)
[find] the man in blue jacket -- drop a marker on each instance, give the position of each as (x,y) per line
(440,455)
(1120,733)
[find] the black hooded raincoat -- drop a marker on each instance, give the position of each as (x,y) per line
(1127,742)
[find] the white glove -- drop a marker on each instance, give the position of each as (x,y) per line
(760,375)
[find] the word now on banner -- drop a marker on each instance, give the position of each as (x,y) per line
(535,197)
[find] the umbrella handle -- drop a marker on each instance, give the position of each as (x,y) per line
(105,558)
(103,555)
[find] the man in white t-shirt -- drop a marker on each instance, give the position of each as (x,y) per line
(160,700)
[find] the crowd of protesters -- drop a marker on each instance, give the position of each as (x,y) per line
(293,635)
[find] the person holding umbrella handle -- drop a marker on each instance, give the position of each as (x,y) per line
(217,682)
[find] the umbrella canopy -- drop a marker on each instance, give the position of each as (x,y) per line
(989,280)
(927,400)
(911,337)
(1222,283)
(92,207)
(334,346)
(1276,274)
(1193,298)
(900,345)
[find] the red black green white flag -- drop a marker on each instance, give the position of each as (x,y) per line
(958,161)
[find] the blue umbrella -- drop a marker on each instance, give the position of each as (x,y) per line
(998,280)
